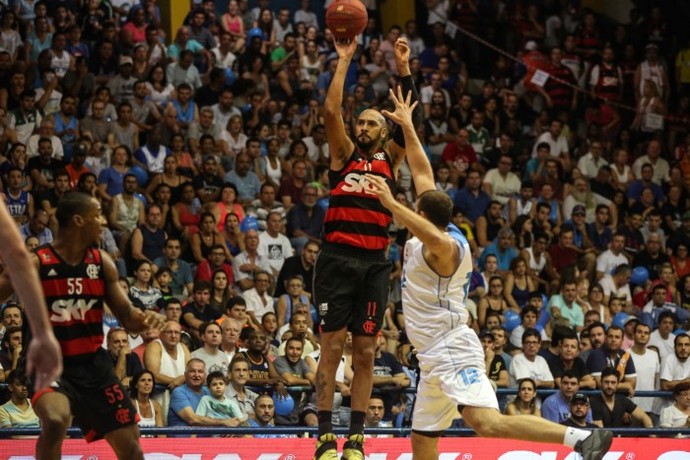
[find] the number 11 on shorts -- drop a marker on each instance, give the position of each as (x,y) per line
(371,308)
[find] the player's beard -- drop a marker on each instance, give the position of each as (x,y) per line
(365,142)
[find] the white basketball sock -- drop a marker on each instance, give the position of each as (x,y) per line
(573,435)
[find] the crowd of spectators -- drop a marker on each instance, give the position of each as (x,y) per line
(568,163)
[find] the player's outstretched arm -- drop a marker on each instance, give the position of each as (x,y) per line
(422,173)
(132,319)
(44,361)
(339,143)
(442,248)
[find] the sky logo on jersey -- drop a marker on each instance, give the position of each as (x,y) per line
(357,183)
(65,310)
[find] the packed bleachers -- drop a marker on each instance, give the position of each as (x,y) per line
(562,136)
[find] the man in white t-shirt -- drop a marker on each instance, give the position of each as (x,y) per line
(259,301)
(557,142)
(613,257)
(529,363)
(210,353)
(273,244)
(675,368)
(647,367)
(663,337)
(616,284)
(653,157)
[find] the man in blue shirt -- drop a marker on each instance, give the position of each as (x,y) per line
(185,399)
(557,406)
(471,199)
(503,248)
(247,183)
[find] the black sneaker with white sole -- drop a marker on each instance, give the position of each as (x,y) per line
(595,446)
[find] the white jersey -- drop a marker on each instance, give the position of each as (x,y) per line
(433,305)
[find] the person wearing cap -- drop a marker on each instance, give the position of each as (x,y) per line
(496,368)
(77,167)
(646,363)
(557,406)
(121,86)
(579,411)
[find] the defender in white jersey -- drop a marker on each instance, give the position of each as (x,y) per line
(435,281)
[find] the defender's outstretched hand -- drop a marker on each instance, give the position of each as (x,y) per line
(403,109)
(380,188)
(401,50)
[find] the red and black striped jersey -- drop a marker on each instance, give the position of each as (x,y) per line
(355,216)
(74,295)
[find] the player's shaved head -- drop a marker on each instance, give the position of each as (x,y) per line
(371,114)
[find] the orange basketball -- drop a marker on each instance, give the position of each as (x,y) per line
(346,18)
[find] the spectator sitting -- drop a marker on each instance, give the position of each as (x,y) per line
(563,305)
(210,353)
(181,270)
(305,219)
(503,248)
(199,310)
(557,406)
(611,355)
(579,411)
(262,373)
(675,368)
(496,367)
(295,372)
(11,351)
(216,405)
(299,327)
(300,264)
(528,319)
(677,415)
(141,387)
(611,409)
(259,300)
(658,304)
(125,363)
(230,329)
(214,262)
(273,244)
(529,363)
(374,417)
(389,377)
(526,401)
(663,338)
(290,301)
(238,374)
(186,398)
(18,412)
(264,411)
(249,261)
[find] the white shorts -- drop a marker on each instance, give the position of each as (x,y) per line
(452,375)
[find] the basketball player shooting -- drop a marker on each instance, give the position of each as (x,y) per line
(351,273)
(436,272)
